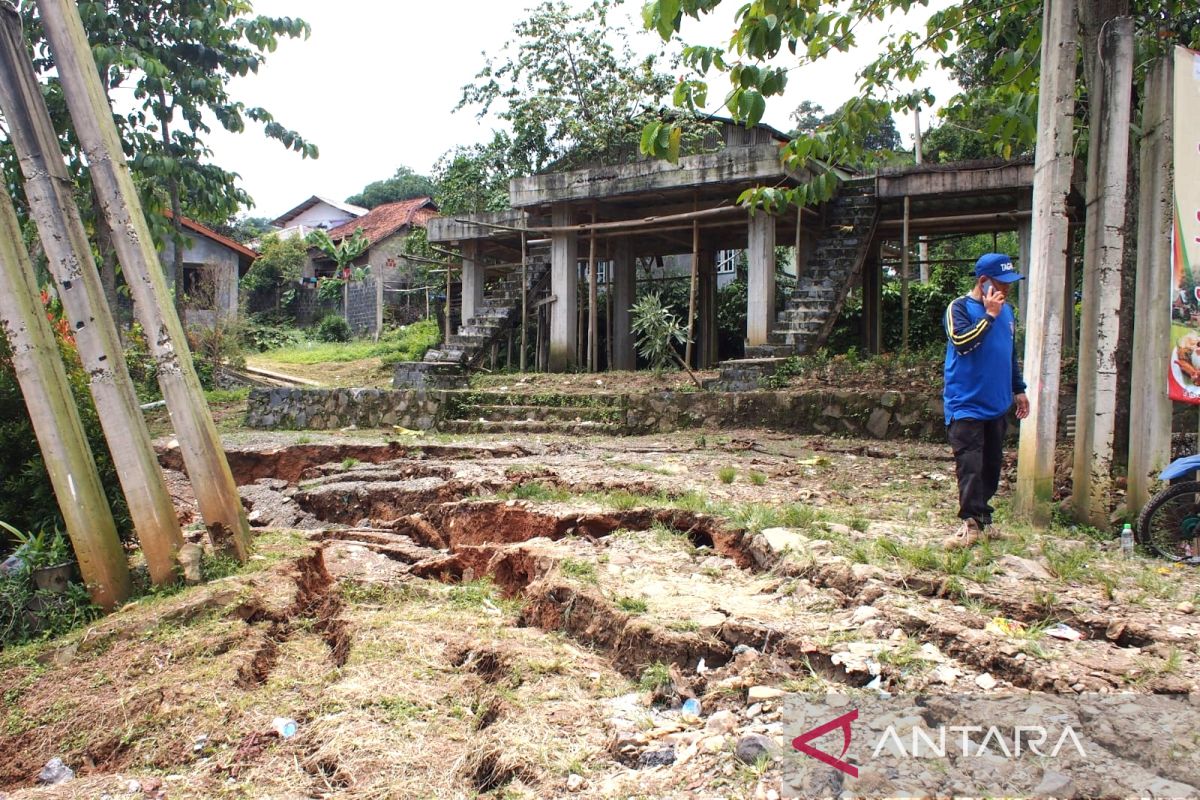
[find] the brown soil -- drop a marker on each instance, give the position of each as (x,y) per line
(477,617)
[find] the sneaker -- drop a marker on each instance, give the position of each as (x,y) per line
(969,534)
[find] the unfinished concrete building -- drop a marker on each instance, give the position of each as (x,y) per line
(572,236)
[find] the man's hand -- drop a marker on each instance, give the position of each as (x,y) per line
(993,301)
(1022,406)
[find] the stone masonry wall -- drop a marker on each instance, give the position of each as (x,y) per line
(332,409)
(883,415)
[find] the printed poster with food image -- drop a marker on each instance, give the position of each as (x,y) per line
(1184,372)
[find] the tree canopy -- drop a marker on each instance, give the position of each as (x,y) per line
(403,185)
(990,46)
(176,59)
(563,88)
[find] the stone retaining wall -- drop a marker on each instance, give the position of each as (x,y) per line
(332,409)
(866,415)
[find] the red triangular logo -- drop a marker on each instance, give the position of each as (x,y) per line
(843,722)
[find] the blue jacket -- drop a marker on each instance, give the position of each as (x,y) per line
(981,371)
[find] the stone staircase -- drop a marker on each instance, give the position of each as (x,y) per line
(445,367)
(833,268)
(504,412)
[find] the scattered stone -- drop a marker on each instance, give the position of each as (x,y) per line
(756,709)
(985,681)
(1186,608)
(864,613)
(783,539)
(946,674)
(722,721)
(753,746)
(1023,568)
(574,782)
(713,744)
(757,693)
(55,772)
(662,757)
(189,559)
(743,648)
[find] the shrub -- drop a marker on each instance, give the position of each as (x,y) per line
(333,329)
(261,336)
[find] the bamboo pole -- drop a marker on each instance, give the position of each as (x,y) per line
(524,299)
(691,338)
(622,224)
(56,423)
(904,279)
(200,445)
(49,190)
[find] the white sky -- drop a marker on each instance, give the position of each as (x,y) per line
(375,85)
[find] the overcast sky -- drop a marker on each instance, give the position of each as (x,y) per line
(376,84)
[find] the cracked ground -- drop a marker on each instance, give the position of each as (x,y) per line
(474,616)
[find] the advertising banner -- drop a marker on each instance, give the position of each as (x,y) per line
(1184,371)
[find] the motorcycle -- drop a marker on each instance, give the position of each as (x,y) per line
(1170,523)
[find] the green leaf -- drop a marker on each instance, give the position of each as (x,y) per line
(649,136)
(673,145)
(756,106)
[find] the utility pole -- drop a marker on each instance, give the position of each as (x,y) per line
(1046,306)
(203,455)
(49,190)
(56,422)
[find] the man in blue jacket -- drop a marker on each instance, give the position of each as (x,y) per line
(983,379)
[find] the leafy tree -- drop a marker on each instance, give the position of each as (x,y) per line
(992,45)
(342,253)
(277,268)
(403,185)
(810,118)
(657,331)
(474,178)
(176,59)
(563,88)
(245,229)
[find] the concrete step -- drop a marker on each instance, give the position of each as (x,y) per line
(769,351)
(452,355)
(534,413)
(523,426)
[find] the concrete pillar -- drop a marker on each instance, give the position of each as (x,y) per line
(1103,256)
(1046,305)
(706,310)
(624,292)
(872,297)
(1149,404)
(564,285)
(760,300)
(472,282)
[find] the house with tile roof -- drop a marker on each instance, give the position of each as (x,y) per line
(212,266)
(316,213)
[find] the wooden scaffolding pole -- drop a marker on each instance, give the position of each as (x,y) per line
(203,454)
(49,190)
(691,323)
(904,277)
(524,297)
(1047,305)
(56,422)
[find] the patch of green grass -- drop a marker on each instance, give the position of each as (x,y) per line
(1156,584)
(380,594)
(584,571)
(399,709)
(684,626)
(349,463)
(798,515)
(1070,564)
(757,478)
(858,523)
(537,492)
(726,474)
(654,677)
(632,605)
(476,594)
(408,343)
(217,397)
(216,566)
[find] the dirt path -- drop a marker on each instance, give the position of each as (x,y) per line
(448,617)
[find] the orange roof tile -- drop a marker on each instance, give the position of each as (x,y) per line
(382,221)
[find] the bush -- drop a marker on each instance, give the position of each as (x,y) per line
(410,341)
(333,329)
(260,336)
(26,497)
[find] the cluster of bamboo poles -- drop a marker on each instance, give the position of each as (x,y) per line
(40,372)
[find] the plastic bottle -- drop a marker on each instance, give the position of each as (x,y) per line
(1127,541)
(284,726)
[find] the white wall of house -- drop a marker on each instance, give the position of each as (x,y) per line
(216,260)
(321,215)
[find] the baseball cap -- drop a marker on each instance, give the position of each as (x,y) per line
(998,267)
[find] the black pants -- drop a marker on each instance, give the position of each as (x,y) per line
(978,456)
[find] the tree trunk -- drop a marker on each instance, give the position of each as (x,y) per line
(203,456)
(56,422)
